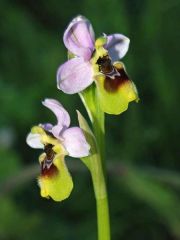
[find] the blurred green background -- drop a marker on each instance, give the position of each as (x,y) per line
(142,143)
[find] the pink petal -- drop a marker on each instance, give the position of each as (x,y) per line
(74,76)
(117,45)
(79,37)
(75,142)
(56,131)
(34,140)
(61,114)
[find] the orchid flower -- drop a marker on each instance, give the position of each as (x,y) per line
(96,61)
(57,141)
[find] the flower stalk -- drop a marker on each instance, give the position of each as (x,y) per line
(99,181)
(101,203)
(97,168)
(99,184)
(103,219)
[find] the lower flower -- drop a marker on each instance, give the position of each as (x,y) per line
(57,141)
(55,180)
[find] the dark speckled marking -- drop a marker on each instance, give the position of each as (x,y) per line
(115,78)
(48,169)
(105,65)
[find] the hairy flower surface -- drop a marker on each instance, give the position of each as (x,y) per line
(96,61)
(57,141)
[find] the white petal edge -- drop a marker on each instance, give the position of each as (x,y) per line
(34,141)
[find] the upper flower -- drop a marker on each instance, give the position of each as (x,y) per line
(95,61)
(57,141)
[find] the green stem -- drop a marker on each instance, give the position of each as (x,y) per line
(102,207)
(97,169)
(99,182)
(99,131)
(103,219)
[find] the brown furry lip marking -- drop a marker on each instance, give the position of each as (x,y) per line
(114,77)
(48,169)
(113,83)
